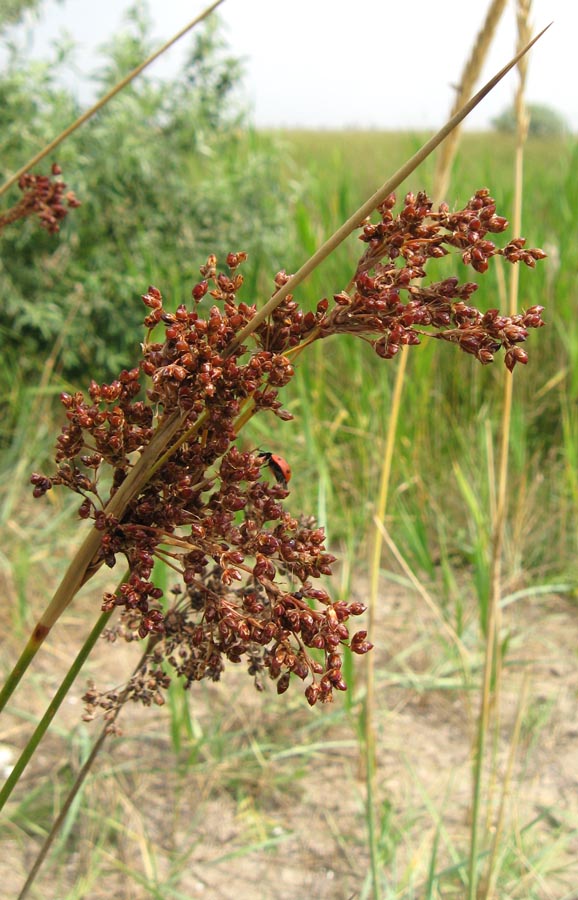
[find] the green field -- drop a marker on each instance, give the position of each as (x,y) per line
(228,792)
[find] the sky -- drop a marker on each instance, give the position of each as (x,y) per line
(331,64)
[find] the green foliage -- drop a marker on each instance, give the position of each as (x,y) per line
(167,173)
(544,121)
(12,11)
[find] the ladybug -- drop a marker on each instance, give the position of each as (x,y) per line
(279,467)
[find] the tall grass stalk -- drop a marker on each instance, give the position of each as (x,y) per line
(469,77)
(381,506)
(441,181)
(491,684)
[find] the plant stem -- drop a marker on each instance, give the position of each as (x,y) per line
(492,655)
(467,80)
(479,750)
(80,779)
(53,707)
(507,780)
(370,762)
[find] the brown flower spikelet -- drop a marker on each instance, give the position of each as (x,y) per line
(43,196)
(210,510)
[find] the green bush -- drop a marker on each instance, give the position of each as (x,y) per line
(167,173)
(544,121)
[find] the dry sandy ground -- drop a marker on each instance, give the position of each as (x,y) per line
(266,802)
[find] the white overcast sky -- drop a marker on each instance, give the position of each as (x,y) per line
(364,64)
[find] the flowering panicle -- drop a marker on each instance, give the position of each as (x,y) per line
(210,509)
(399,249)
(42,196)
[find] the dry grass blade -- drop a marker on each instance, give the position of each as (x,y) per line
(104,100)
(470,75)
(426,597)
(492,662)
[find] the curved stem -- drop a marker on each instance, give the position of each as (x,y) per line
(53,707)
(79,781)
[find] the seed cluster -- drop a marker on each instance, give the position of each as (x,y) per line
(210,510)
(394,264)
(42,196)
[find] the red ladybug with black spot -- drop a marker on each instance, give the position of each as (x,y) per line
(279,467)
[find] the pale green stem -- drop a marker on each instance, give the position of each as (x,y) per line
(53,707)
(79,781)
(370,762)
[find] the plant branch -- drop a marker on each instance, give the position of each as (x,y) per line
(79,781)
(53,707)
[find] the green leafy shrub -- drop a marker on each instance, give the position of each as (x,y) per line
(166,172)
(544,121)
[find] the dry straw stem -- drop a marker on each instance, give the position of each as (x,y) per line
(492,661)
(380,534)
(104,100)
(493,868)
(452,635)
(522,117)
(470,75)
